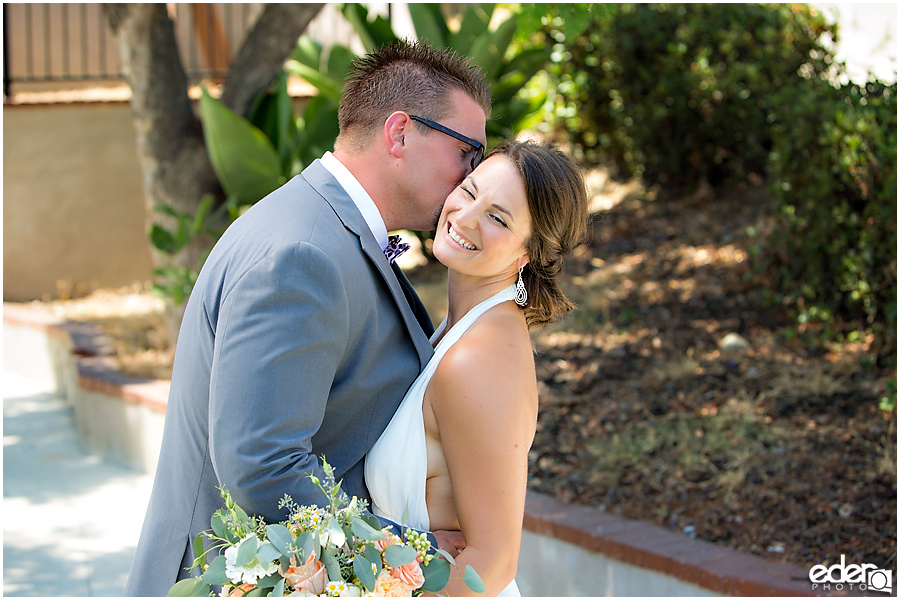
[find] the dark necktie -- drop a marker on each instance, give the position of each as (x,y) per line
(395,248)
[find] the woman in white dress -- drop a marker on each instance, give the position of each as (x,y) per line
(455,455)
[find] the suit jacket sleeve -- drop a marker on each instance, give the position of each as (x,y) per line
(282,330)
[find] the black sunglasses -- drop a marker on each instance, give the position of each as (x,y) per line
(478,146)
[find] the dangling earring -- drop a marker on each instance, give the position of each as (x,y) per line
(521,292)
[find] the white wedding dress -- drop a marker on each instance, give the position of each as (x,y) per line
(396,466)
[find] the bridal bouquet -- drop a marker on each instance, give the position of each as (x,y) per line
(336,550)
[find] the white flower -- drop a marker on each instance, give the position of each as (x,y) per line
(351,591)
(340,588)
(250,572)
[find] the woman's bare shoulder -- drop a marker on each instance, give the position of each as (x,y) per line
(490,365)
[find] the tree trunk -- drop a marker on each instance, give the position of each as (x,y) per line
(175,167)
(170,146)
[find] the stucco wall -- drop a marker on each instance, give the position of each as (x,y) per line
(73,205)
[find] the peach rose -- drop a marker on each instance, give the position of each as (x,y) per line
(382,544)
(410,574)
(238,591)
(309,577)
(388,586)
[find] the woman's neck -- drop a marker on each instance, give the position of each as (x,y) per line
(466,292)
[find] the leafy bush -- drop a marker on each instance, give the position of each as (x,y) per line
(681,93)
(833,170)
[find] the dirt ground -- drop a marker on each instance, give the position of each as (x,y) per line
(674,394)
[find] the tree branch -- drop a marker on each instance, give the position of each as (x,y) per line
(264,51)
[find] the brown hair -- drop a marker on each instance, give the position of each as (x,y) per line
(558,204)
(408,76)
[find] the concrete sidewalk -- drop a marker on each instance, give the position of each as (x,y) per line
(71,521)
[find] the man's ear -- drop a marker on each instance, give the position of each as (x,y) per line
(395,130)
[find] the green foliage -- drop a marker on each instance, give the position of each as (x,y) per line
(175,282)
(507,54)
(680,93)
(244,159)
(888,401)
(833,171)
(293,557)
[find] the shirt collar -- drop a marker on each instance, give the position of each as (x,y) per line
(360,197)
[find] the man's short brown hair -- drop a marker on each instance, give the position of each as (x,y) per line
(409,76)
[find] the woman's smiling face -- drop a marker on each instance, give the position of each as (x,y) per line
(485,222)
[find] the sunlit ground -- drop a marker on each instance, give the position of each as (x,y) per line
(70,520)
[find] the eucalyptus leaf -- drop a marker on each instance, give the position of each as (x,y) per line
(363,570)
(306,544)
(373,556)
(397,556)
(246,551)
(201,590)
(270,580)
(281,538)
(267,552)
(184,588)
(218,524)
(332,565)
(473,580)
(241,515)
(198,546)
(278,590)
(437,575)
(215,574)
(365,531)
(447,556)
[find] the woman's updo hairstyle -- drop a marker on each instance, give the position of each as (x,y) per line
(558,204)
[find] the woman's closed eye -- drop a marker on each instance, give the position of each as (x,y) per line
(467,191)
(500,220)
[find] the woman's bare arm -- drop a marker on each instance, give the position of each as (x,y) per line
(484,400)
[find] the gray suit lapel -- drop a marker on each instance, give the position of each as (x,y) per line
(324,182)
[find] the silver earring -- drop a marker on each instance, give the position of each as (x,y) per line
(521,292)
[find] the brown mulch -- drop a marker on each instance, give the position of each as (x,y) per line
(776,446)
(675,394)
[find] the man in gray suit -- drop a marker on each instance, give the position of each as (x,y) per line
(300,338)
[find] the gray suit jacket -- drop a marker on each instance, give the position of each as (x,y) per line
(298,341)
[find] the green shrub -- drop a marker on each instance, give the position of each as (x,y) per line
(833,171)
(680,93)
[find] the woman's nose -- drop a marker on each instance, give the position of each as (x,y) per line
(466,216)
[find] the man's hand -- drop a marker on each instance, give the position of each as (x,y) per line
(450,541)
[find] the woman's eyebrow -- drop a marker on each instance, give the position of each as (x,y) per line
(504,210)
